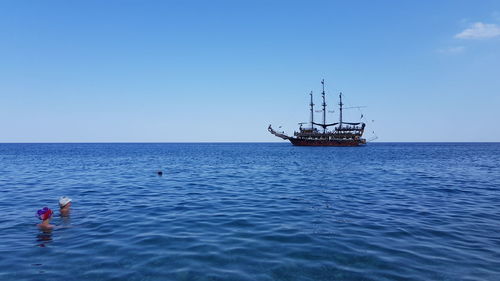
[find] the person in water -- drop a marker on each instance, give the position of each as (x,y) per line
(45,215)
(64,205)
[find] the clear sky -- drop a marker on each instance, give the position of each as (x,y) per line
(175,71)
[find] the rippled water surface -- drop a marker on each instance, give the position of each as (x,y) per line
(252,212)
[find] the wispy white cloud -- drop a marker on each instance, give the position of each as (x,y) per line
(452,50)
(480,30)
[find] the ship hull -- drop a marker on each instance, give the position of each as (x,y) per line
(308,142)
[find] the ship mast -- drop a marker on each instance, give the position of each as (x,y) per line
(312,110)
(324,106)
(340,105)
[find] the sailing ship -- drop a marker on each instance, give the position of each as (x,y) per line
(318,134)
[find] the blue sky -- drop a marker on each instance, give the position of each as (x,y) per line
(175,71)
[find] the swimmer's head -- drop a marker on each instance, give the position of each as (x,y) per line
(44,214)
(64,201)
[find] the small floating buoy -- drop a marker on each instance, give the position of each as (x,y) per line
(160,173)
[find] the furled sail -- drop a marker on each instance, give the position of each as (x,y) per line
(325,125)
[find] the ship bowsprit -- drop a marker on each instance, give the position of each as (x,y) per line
(279,135)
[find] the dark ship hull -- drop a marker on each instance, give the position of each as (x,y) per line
(315,138)
(308,142)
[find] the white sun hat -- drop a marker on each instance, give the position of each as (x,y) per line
(63,201)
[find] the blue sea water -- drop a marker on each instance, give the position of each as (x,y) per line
(263,211)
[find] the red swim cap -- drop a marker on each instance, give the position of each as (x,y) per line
(44,213)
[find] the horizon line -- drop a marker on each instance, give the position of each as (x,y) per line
(225,142)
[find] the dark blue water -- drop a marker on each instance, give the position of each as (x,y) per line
(252,212)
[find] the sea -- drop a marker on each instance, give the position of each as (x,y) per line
(251,211)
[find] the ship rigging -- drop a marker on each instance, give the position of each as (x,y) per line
(342,134)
